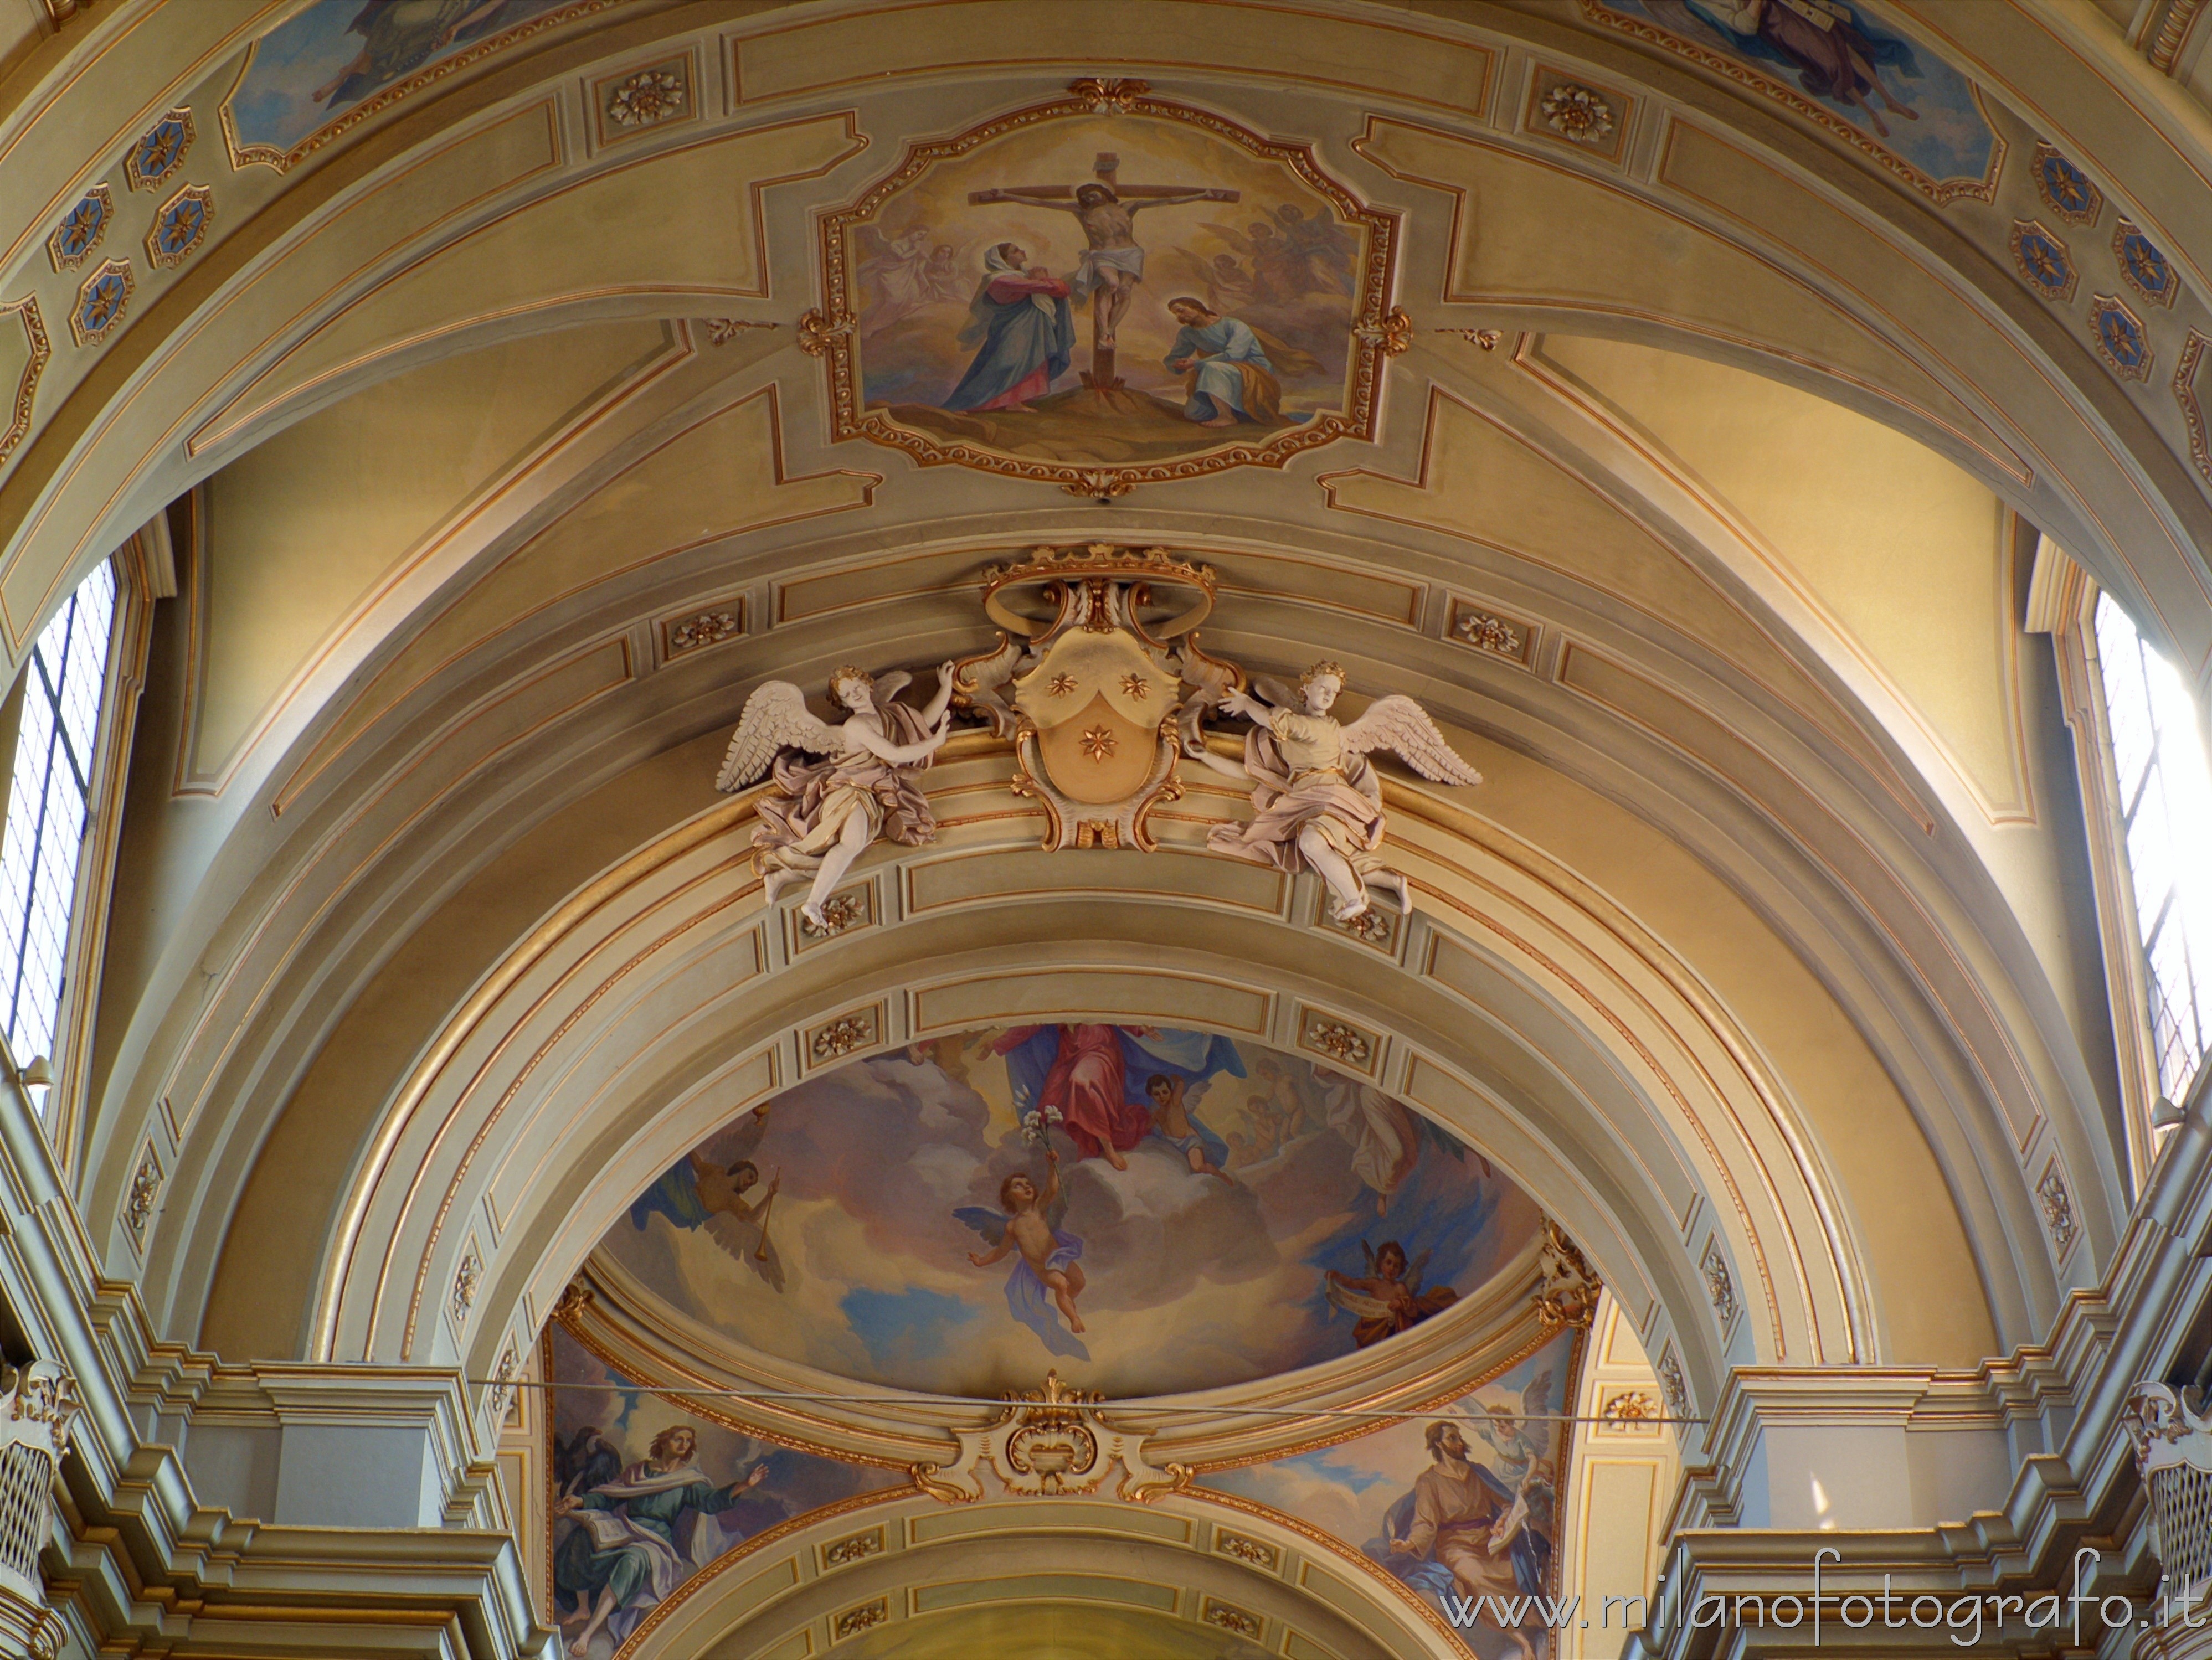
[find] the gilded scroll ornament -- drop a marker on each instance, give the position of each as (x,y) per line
(1049,1442)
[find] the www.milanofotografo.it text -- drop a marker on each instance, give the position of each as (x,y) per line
(1961,1618)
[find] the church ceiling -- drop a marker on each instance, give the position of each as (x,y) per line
(1226,1212)
(1671,423)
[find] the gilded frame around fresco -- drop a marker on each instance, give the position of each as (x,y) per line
(1186,1487)
(1379,330)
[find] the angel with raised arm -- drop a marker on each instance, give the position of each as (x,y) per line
(1046,1255)
(822,813)
(1316,802)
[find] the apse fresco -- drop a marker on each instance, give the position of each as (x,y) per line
(1107,289)
(1901,95)
(960,1216)
(335,54)
(1456,1504)
(644,1495)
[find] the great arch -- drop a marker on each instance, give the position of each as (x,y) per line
(1715,459)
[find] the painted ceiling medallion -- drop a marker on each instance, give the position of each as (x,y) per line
(1105,291)
(2065,189)
(2148,271)
(2044,264)
(81,229)
(180,225)
(2120,338)
(159,150)
(100,301)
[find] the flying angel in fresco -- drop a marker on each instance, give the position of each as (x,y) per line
(822,813)
(1388,1298)
(1046,1265)
(1316,802)
(708,1190)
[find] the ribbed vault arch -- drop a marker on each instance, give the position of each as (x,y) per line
(1533,1021)
(408,751)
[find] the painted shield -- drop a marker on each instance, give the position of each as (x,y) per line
(1096,700)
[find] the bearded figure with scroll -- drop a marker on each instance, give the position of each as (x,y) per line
(836,788)
(1316,802)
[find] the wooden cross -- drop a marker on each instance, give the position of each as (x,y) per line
(1106,225)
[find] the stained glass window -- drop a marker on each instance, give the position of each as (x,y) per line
(2166,815)
(49,800)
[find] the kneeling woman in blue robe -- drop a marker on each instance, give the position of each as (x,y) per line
(1020,320)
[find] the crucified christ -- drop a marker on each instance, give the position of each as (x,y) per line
(1112,264)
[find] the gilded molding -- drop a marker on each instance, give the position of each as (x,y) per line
(2184,392)
(26,313)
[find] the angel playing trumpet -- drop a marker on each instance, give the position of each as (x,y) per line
(837,787)
(1316,802)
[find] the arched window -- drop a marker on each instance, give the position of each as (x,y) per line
(2164,803)
(49,800)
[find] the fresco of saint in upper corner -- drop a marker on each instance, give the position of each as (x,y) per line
(1148,1210)
(1456,1505)
(1154,289)
(1904,100)
(335,55)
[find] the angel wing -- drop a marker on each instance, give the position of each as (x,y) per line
(1537,1396)
(776,718)
(1276,692)
(1401,725)
(889,685)
(741,1237)
(1368,1251)
(1236,239)
(991,1224)
(1414,1269)
(1358,1303)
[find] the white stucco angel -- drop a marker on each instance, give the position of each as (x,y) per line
(822,813)
(1316,802)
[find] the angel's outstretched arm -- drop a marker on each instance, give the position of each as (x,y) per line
(997,1253)
(1227,768)
(1238,701)
(933,711)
